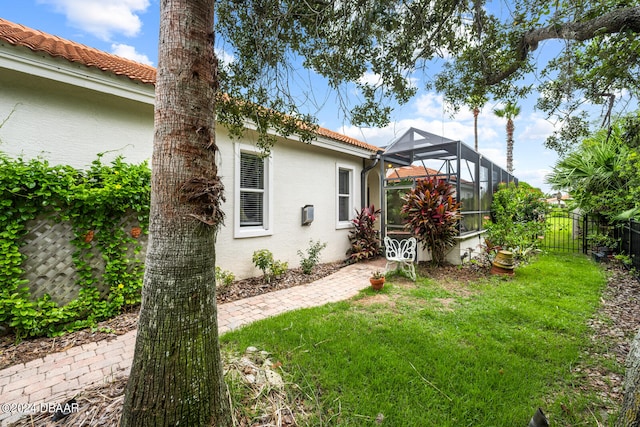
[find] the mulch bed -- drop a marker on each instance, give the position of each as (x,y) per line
(31,349)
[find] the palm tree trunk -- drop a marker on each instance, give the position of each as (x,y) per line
(176,377)
(510,130)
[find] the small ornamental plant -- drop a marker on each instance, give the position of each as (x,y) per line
(377,275)
(271,268)
(365,243)
(518,216)
(432,216)
(377,280)
(312,257)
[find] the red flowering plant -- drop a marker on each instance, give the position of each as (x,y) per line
(432,215)
(364,238)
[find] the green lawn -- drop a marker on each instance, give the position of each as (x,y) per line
(559,234)
(486,353)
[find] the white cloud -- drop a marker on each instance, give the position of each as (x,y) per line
(497,155)
(130,52)
(534,177)
(427,113)
(536,128)
(370,78)
(430,105)
(102,18)
(224,57)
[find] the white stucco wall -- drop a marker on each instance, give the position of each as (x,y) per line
(54,117)
(303,175)
(70,125)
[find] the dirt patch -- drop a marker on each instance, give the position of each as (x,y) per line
(375,299)
(455,278)
(463,274)
(615,325)
(403,283)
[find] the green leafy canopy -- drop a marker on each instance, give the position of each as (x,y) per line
(486,52)
(603,173)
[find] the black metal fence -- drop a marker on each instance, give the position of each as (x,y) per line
(629,234)
(574,232)
(570,231)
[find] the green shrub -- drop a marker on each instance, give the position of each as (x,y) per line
(263,259)
(224,277)
(312,258)
(278,268)
(432,216)
(602,240)
(518,219)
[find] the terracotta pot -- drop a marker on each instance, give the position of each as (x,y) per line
(503,263)
(376,284)
(135,232)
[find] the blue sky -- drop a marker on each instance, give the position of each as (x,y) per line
(129,28)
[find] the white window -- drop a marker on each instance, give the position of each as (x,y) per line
(253,183)
(344,181)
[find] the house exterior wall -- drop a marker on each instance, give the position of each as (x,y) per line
(57,118)
(303,175)
(67,124)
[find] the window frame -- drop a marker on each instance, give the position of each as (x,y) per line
(351,196)
(266,229)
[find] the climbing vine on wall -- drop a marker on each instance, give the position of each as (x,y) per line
(94,202)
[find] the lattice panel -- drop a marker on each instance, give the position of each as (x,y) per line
(49,266)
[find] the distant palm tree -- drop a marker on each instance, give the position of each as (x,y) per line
(510,111)
(476,102)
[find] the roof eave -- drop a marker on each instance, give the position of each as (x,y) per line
(43,65)
(325,142)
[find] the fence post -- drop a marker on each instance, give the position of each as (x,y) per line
(585,232)
(629,237)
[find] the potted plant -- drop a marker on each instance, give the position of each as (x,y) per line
(377,280)
(602,244)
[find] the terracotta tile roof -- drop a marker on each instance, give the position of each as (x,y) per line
(410,172)
(346,139)
(39,41)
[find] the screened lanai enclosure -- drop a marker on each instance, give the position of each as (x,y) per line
(417,155)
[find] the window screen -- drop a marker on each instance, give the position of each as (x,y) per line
(344,194)
(251,190)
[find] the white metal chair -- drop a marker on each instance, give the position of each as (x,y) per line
(402,253)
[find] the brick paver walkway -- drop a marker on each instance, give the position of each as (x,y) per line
(59,376)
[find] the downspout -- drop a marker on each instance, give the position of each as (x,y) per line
(363,178)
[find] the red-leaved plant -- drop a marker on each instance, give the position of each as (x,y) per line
(365,243)
(432,216)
